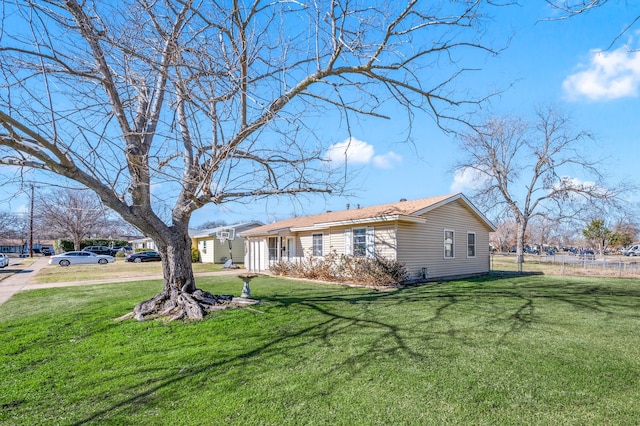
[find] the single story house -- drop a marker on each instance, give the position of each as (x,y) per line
(435,238)
(22,246)
(212,250)
(144,243)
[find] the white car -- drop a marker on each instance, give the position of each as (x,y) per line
(4,260)
(80,257)
(633,250)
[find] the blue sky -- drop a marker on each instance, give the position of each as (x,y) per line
(563,63)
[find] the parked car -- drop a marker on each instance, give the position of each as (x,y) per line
(587,254)
(117,249)
(4,260)
(98,250)
(80,257)
(144,256)
(634,252)
(46,251)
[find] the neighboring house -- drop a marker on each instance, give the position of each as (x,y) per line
(21,246)
(212,250)
(438,237)
(13,246)
(145,243)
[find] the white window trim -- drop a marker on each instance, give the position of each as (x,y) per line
(369,248)
(353,242)
(273,252)
(321,234)
(444,244)
(475,245)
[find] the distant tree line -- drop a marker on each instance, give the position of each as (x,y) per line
(543,232)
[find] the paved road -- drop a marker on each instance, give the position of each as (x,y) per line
(21,279)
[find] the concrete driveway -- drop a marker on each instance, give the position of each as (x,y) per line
(19,278)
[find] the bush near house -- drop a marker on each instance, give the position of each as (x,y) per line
(195,254)
(371,271)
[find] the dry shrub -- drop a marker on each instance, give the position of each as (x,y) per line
(372,271)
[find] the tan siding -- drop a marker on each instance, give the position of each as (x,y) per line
(422,245)
(336,240)
(333,240)
(306,244)
(386,244)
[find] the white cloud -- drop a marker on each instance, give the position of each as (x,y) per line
(387,161)
(610,75)
(467,180)
(355,151)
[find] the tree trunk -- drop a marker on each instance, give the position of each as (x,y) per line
(521,226)
(180,299)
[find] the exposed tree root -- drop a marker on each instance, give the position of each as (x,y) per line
(179,305)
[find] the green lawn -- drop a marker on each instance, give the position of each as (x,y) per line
(523,350)
(119,269)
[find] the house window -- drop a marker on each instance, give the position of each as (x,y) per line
(317,244)
(471,244)
(449,240)
(273,248)
(360,242)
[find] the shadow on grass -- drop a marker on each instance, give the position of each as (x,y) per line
(449,313)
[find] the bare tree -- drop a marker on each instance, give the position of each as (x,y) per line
(7,224)
(523,168)
(542,232)
(504,237)
(161,107)
(570,8)
(212,224)
(71,214)
(625,232)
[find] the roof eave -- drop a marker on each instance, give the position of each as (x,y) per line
(363,221)
(249,233)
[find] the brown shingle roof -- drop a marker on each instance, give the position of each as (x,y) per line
(402,208)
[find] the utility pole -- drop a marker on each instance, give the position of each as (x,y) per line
(31,226)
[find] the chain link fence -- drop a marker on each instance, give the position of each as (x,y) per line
(569,264)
